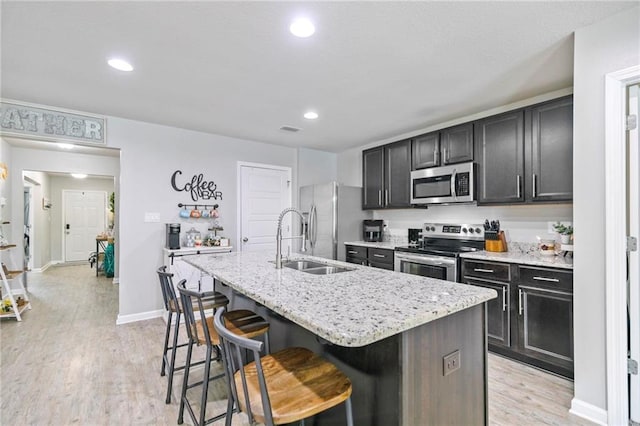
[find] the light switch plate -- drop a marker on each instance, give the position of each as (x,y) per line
(152,217)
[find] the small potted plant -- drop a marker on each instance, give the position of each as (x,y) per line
(566,232)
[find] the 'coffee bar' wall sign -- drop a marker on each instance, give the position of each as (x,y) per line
(198,188)
(17,119)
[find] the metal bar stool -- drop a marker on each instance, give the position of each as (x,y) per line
(284,387)
(201,331)
(173,306)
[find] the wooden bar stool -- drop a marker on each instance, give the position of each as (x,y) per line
(201,331)
(173,306)
(284,387)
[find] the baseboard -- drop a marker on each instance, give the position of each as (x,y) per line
(41,270)
(588,411)
(142,316)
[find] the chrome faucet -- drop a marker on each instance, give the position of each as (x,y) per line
(279,235)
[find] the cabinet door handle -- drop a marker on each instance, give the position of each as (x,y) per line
(379,255)
(386,197)
(488,271)
(380,197)
(504,299)
(352,252)
(445,153)
(553,280)
(535,189)
(435,158)
(520,307)
(518,187)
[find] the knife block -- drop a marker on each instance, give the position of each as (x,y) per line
(499,245)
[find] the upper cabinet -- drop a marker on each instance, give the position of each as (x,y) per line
(549,147)
(500,157)
(448,146)
(526,155)
(386,176)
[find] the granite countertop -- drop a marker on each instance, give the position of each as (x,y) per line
(382,244)
(530,257)
(353,308)
(198,250)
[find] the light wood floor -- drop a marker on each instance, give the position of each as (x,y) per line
(67,362)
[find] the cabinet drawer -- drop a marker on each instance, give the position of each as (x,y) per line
(377,255)
(381,265)
(356,252)
(545,277)
(487,270)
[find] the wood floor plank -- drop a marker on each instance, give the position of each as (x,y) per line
(68,363)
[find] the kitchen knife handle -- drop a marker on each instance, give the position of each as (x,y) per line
(518,186)
(535,189)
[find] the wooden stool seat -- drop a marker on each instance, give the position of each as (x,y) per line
(242,322)
(299,383)
(217,300)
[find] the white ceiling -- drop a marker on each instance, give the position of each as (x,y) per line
(373,70)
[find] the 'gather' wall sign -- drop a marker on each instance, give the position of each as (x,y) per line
(29,120)
(198,188)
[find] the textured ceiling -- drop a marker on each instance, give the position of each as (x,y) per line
(373,70)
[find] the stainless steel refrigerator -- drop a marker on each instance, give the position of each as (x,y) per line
(334,215)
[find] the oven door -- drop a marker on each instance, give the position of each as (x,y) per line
(442,268)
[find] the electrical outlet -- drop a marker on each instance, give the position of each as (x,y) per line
(450,363)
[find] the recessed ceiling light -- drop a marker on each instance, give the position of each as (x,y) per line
(120,64)
(78,175)
(66,146)
(302,27)
(310,115)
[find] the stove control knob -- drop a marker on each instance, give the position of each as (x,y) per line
(477,230)
(464,230)
(433,229)
(471,230)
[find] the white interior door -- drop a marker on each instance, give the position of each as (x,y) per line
(84,219)
(634,256)
(264,192)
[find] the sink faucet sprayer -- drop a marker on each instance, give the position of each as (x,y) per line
(279,235)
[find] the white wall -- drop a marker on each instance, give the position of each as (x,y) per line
(604,47)
(316,166)
(58,184)
(40,237)
(5,189)
(149,155)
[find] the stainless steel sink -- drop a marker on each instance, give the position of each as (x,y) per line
(302,264)
(326,270)
(316,268)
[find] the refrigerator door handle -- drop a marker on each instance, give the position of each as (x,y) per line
(313,225)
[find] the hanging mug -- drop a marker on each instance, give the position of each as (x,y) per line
(195,213)
(215,214)
(185,213)
(205,213)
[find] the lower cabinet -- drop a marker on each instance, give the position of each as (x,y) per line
(531,320)
(370,256)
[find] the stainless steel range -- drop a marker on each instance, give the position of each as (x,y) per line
(437,254)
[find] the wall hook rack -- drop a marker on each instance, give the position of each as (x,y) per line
(204,206)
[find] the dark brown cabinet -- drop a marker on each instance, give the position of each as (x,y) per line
(549,147)
(370,256)
(448,146)
(386,176)
(500,158)
(495,276)
(532,318)
(526,155)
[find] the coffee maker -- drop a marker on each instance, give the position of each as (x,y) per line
(173,236)
(372,230)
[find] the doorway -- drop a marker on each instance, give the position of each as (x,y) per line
(28,227)
(84,218)
(264,191)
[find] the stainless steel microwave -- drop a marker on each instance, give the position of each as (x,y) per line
(442,185)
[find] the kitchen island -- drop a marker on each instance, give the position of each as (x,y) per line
(415,348)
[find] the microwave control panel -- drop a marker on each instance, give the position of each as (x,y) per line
(462,184)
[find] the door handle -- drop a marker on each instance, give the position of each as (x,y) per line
(386,197)
(520,308)
(380,197)
(504,299)
(435,158)
(67,227)
(535,189)
(245,239)
(518,187)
